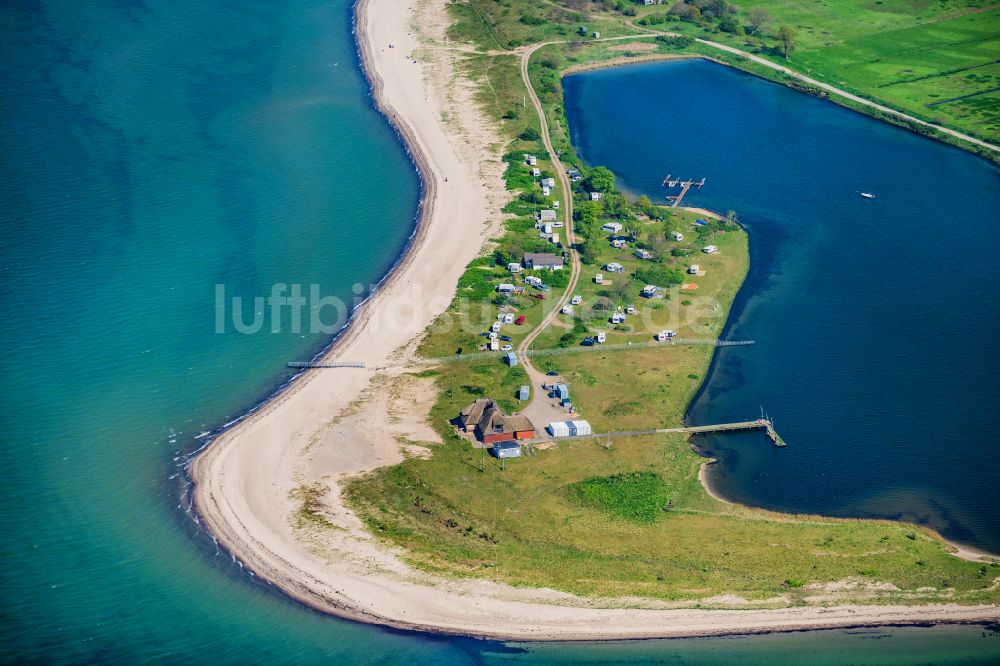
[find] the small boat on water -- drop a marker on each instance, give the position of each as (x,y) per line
(868,195)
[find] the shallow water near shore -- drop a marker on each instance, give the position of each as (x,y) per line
(874,320)
(150,152)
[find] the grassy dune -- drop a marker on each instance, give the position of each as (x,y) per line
(632,520)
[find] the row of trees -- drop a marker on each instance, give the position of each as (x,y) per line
(724,15)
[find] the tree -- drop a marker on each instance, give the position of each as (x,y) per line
(643,203)
(658,246)
(622,291)
(786,36)
(757,19)
(614,205)
(633,229)
(719,7)
(587,214)
(691,13)
(601,179)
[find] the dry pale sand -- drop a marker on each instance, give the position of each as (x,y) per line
(332,424)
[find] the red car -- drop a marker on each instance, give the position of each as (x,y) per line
(540,297)
(519,320)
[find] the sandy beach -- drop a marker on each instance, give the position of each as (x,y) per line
(332,424)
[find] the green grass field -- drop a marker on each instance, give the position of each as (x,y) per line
(936,60)
(629,518)
(632,520)
(933,59)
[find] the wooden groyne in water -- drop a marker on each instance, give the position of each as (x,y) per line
(319,364)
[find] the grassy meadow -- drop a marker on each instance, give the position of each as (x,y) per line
(934,59)
(629,518)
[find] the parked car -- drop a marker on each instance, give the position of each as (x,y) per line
(551,373)
(519,320)
(507,348)
(506,338)
(540,297)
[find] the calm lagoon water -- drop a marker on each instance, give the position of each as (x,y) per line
(151,150)
(875,320)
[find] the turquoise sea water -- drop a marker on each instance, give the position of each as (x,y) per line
(875,320)
(151,150)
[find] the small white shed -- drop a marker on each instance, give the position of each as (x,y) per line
(558,429)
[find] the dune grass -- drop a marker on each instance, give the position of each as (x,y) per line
(632,520)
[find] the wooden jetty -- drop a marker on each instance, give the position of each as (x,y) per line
(685,185)
(759,424)
(302,365)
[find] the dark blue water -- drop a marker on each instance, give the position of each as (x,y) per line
(875,321)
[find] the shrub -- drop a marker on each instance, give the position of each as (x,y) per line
(635,496)
(653,19)
(679,42)
(661,276)
(730,26)
(567,340)
(557,279)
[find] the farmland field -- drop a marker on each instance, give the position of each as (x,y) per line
(939,61)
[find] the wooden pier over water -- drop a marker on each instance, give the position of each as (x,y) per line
(758,424)
(685,185)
